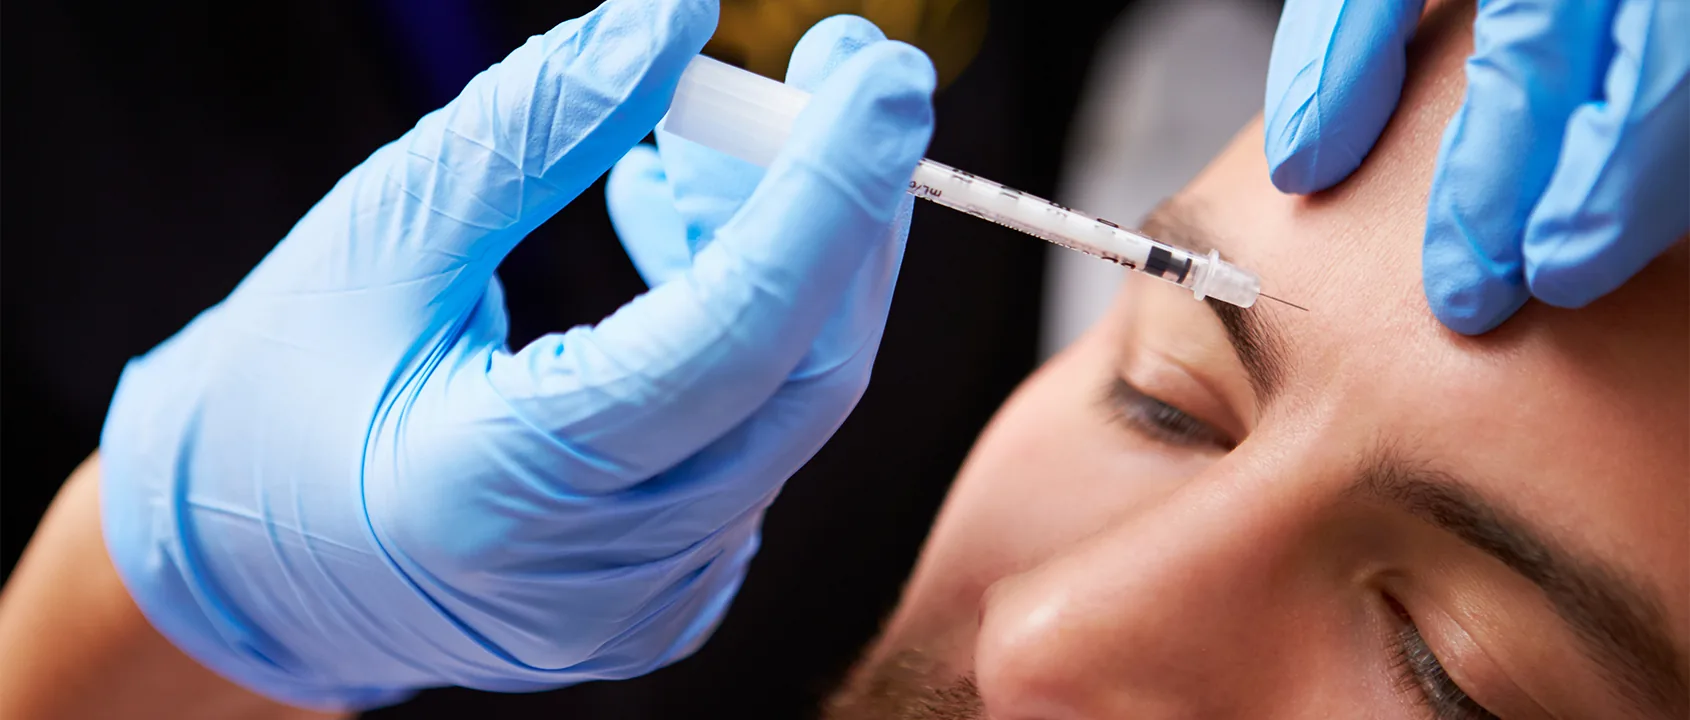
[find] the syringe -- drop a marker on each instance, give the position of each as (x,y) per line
(749,116)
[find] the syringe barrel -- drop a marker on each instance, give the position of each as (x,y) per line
(1205,276)
(750,117)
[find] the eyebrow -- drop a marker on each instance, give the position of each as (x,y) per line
(1260,346)
(1621,627)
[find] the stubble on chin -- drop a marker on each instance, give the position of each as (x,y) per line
(908,685)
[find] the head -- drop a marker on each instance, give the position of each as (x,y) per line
(1197,511)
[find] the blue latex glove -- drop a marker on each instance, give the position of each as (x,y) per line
(338,485)
(1564,172)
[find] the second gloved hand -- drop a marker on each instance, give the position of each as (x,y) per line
(1564,172)
(339,485)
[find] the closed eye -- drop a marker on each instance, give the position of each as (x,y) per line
(1421,673)
(1159,420)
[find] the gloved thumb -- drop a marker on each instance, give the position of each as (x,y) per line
(454,195)
(641,202)
(1333,81)
(685,362)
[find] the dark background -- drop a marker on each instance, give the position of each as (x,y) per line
(153,152)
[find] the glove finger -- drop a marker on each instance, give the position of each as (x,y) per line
(785,432)
(826,46)
(1532,64)
(1333,81)
(682,364)
(1618,195)
(717,485)
(821,51)
(524,138)
(642,210)
(711,186)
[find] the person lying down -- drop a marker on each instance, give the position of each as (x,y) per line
(1194,511)
(1197,511)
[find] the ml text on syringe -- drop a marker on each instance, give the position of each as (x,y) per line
(749,117)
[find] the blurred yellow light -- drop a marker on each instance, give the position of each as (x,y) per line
(759,34)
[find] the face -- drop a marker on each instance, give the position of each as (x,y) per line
(1344,512)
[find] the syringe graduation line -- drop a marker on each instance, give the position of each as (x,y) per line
(982,198)
(750,117)
(933,189)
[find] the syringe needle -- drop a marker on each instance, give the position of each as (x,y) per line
(749,116)
(1284,302)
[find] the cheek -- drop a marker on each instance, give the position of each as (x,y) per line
(1050,471)
(1226,597)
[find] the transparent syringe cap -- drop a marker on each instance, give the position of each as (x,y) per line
(1226,282)
(734,111)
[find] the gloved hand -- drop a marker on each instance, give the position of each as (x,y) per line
(668,203)
(1564,172)
(338,485)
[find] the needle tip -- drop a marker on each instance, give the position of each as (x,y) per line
(1283,302)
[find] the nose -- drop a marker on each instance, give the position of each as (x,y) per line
(1183,609)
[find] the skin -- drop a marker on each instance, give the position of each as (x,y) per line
(1088,564)
(75,646)
(1085,565)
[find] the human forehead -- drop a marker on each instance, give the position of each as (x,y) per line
(1575,419)
(1351,256)
(1616,370)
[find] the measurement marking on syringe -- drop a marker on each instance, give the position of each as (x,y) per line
(731,109)
(927,191)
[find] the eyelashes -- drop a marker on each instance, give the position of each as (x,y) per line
(1160,421)
(1420,673)
(1416,668)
